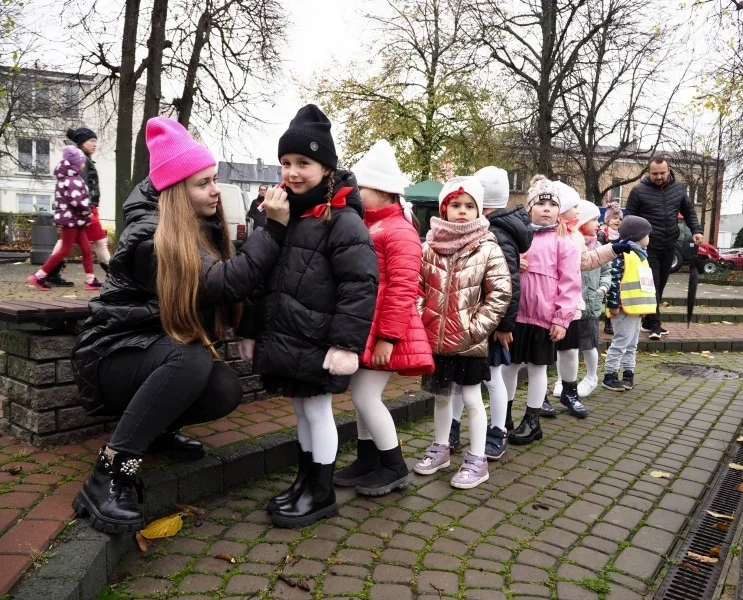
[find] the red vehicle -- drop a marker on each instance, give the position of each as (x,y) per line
(733,259)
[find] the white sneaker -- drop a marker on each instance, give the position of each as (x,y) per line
(586,386)
(557,390)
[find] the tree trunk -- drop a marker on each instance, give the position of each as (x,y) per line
(153,92)
(124,124)
(201,37)
(545,106)
(592,182)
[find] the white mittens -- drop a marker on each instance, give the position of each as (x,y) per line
(246,349)
(341,362)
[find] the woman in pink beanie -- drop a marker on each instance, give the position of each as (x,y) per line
(147,352)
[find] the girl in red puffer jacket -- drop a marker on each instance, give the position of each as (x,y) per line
(397,341)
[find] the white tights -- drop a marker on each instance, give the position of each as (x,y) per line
(316,428)
(443,412)
(498,399)
(567,365)
(591,358)
(537,382)
(373,420)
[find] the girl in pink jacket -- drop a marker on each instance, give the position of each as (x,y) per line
(550,292)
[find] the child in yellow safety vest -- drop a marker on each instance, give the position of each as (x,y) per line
(632,295)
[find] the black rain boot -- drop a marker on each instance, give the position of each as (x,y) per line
(112,494)
(317,500)
(392,473)
(569,399)
(177,445)
(55,277)
(454,442)
(297,487)
(547,409)
(509,416)
(529,430)
(367,460)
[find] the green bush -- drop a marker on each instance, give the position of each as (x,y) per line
(15,228)
(738,243)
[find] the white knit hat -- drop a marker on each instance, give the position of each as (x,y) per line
(378,170)
(495,183)
(569,198)
(587,211)
(468,185)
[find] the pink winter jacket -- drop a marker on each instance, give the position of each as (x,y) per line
(551,286)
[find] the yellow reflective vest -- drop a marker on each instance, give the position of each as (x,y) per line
(637,290)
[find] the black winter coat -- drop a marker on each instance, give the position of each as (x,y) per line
(127,312)
(512,229)
(90,176)
(321,293)
(257,216)
(661,205)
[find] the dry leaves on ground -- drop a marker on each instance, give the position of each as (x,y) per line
(707,560)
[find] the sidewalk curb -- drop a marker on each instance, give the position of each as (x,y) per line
(714,345)
(83,563)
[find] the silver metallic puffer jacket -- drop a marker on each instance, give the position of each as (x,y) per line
(464,296)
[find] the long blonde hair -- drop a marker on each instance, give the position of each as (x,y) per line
(181,238)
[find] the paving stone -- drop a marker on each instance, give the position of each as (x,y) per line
(666,520)
(584,511)
(600,544)
(482,519)
(620,593)
(479,579)
(574,572)
(527,522)
(436,490)
(449,546)
(390,592)
(392,574)
(335,584)
(269,553)
(186,546)
(535,559)
(588,558)
(305,567)
(655,540)
(678,503)
(149,586)
(532,590)
(462,535)
(225,547)
(362,540)
(526,573)
(623,516)
(443,562)
(421,529)
(494,552)
(570,525)
(204,583)
(558,537)
(393,555)
(168,565)
(451,508)
(571,591)
(518,493)
(432,581)
(209,564)
(479,595)
(636,502)
(315,548)
(638,562)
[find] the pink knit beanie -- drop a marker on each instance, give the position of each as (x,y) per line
(73,155)
(174,155)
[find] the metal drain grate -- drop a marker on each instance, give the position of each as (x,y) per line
(699,581)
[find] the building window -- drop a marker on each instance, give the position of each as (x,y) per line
(32,202)
(562,177)
(33,156)
(71,108)
(516,181)
(698,194)
(244,186)
(616,190)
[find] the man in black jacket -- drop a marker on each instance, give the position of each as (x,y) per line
(659,198)
(257,216)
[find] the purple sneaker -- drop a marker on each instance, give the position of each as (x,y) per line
(435,458)
(473,472)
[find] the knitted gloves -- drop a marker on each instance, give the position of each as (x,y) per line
(341,362)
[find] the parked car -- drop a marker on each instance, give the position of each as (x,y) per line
(732,259)
(709,257)
(233,205)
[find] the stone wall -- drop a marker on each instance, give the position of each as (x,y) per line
(40,403)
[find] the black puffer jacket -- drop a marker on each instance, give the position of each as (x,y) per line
(127,312)
(322,293)
(661,205)
(90,176)
(512,229)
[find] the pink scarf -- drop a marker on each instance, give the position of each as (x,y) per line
(613,234)
(447,238)
(590,241)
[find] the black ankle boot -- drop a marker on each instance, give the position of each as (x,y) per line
(529,430)
(569,398)
(392,473)
(367,460)
(509,416)
(177,445)
(317,500)
(55,277)
(297,487)
(454,443)
(112,494)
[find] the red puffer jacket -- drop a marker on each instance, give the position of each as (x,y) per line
(396,316)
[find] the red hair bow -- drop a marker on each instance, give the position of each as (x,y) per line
(448,198)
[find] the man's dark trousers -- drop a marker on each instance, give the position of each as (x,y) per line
(660,260)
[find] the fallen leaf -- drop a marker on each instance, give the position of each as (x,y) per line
(736,467)
(165,527)
(610,423)
(15,469)
(287,580)
(141,542)
(739,488)
(714,552)
(707,560)
(192,510)
(705,351)
(538,506)
(73,296)
(740,439)
(720,515)
(375,555)
(660,474)
(721,526)
(228,557)
(303,585)
(689,567)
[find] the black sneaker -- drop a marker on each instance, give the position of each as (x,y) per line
(663,331)
(58,281)
(611,382)
(655,334)
(547,409)
(628,380)
(608,328)
(455,444)
(495,443)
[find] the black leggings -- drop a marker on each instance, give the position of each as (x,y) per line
(163,388)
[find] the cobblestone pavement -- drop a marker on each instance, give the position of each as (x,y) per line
(575,517)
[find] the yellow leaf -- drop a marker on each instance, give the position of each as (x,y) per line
(736,467)
(660,474)
(702,559)
(740,439)
(165,527)
(720,515)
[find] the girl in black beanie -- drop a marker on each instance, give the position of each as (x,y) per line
(315,312)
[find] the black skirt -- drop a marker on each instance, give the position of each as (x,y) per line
(292,388)
(588,330)
(571,341)
(463,370)
(532,344)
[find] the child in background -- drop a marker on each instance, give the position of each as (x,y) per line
(398,340)
(631,296)
(550,291)
(596,284)
(512,229)
(72,216)
(316,311)
(465,291)
(608,233)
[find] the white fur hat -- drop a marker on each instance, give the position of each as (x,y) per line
(587,211)
(378,170)
(569,198)
(458,185)
(495,183)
